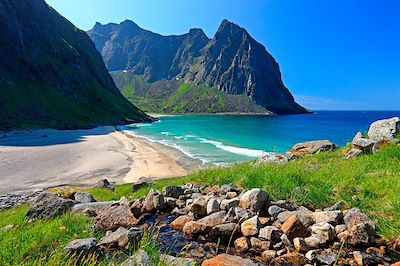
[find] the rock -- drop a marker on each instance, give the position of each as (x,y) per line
(229,188)
(142,182)
(114,216)
(259,245)
(287,243)
(325,231)
(228,260)
(274,210)
(142,258)
(293,228)
(305,216)
(326,257)
(213,206)
(180,222)
(273,158)
(214,219)
(300,245)
(291,258)
(79,246)
(270,233)
(231,195)
(332,217)
(338,206)
(241,214)
(286,204)
(48,205)
(159,202)
(242,244)
(137,206)
(384,130)
(311,255)
(122,237)
(340,228)
(360,229)
(199,207)
(173,191)
(83,197)
(230,216)
(224,230)
(362,258)
(170,202)
(194,228)
(364,144)
(312,147)
(352,153)
(104,183)
(357,136)
(268,255)
(154,201)
(251,226)
(314,241)
(226,204)
(254,199)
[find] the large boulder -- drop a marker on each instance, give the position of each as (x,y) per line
(114,216)
(48,205)
(228,260)
(312,147)
(84,197)
(384,130)
(254,199)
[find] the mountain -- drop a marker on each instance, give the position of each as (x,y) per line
(51,74)
(191,73)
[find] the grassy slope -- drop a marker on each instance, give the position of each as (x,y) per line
(178,97)
(370,182)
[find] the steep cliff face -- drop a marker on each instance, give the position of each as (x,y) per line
(51,74)
(232,62)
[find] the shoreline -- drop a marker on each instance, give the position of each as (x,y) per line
(40,159)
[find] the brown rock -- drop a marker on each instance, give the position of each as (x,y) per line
(259,245)
(268,255)
(300,245)
(250,227)
(214,219)
(115,216)
(224,230)
(270,233)
(180,222)
(311,147)
(228,260)
(242,244)
(292,258)
(199,207)
(194,228)
(293,228)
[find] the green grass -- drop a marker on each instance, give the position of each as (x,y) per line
(182,89)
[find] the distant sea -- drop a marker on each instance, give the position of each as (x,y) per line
(225,139)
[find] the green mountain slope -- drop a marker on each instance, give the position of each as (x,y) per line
(51,74)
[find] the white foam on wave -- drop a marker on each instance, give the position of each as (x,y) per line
(233,149)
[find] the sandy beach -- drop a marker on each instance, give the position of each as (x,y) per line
(39,159)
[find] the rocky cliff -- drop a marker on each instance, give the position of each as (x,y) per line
(51,74)
(232,62)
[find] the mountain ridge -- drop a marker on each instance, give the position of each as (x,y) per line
(231,62)
(51,73)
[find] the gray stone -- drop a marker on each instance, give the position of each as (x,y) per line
(332,217)
(229,188)
(48,205)
(311,255)
(324,231)
(136,207)
(122,237)
(274,210)
(92,206)
(360,229)
(254,199)
(286,204)
(114,216)
(300,245)
(142,258)
(212,206)
(173,191)
(241,214)
(79,246)
(364,144)
(270,233)
(251,226)
(326,258)
(352,153)
(314,241)
(338,206)
(384,130)
(226,204)
(199,207)
(224,230)
(83,197)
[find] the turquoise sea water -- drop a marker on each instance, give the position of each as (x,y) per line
(224,139)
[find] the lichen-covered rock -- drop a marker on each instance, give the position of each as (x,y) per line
(384,130)
(48,205)
(312,147)
(228,260)
(242,244)
(254,199)
(360,229)
(323,231)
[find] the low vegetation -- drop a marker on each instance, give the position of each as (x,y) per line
(370,182)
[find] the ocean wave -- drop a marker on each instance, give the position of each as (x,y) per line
(167,133)
(233,149)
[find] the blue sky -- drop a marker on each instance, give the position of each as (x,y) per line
(338,54)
